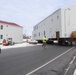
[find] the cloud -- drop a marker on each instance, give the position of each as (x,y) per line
(28,13)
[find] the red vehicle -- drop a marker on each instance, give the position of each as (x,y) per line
(4,42)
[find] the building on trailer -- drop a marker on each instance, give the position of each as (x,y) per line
(11,31)
(58,26)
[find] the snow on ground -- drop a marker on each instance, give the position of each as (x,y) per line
(18,45)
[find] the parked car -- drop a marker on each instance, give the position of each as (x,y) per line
(32,42)
(7,42)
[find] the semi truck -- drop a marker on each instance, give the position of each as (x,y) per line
(60,26)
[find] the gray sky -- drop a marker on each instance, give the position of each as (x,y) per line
(28,13)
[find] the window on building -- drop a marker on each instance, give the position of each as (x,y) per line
(39,33)
(1,26)
(44,32)
(1,36)
(52,20)
(7,26)
(57,17)
(6,34)
(37,26)
(34,35)
(34,28)
(44,24)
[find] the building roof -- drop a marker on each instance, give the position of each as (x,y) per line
(10,23)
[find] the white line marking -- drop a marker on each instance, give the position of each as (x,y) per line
(71,62)
(49,62)
(74,72)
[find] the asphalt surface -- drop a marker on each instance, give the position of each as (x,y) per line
(21,61)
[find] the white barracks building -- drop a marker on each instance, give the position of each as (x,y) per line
(60,24)
(12,31)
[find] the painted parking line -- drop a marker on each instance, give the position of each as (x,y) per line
(49,62)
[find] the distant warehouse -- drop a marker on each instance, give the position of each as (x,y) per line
(9,30)
(58,26)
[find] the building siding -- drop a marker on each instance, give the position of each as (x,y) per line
(62,20)
(11,31)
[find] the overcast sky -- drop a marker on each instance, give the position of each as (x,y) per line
(28,13)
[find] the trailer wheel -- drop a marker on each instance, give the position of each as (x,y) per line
(62,42)
(50,42)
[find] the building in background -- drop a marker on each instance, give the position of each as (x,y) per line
(9,30)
